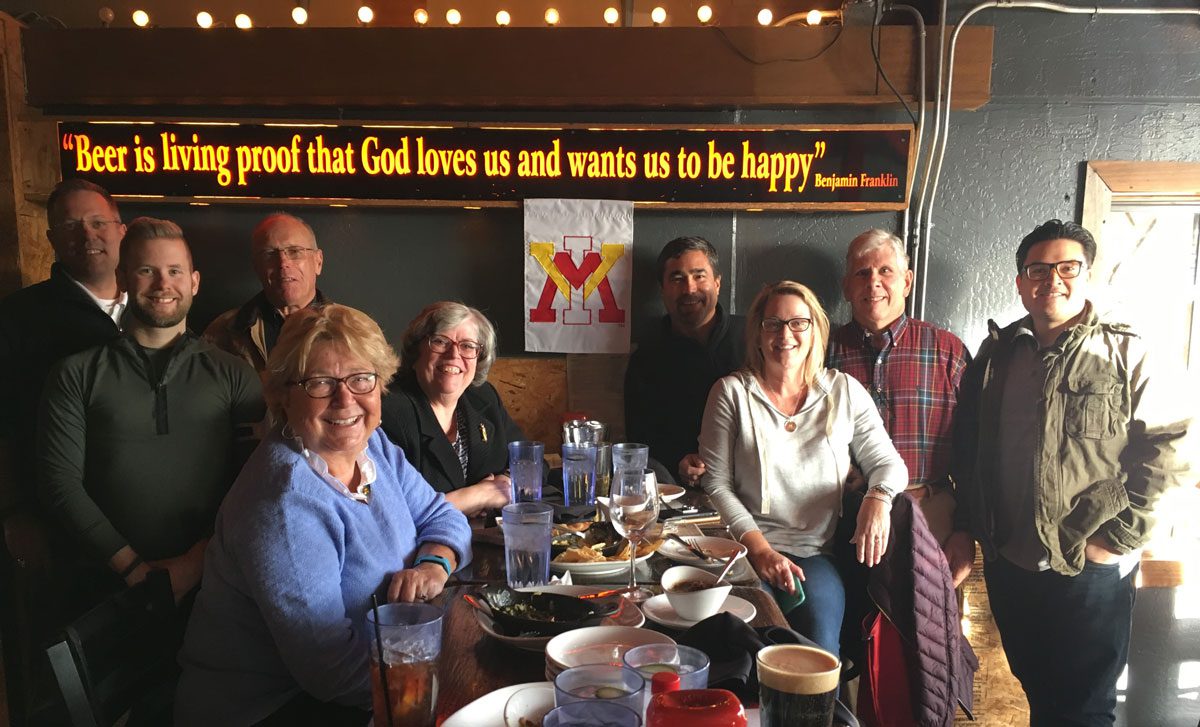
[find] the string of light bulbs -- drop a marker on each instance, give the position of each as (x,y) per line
(552,17)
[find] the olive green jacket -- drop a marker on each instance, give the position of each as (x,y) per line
(1108,442)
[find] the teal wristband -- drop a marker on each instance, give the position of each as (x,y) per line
(443,562)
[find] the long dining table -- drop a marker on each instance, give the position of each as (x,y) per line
(472,664)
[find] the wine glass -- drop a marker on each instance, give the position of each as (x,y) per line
(633,509)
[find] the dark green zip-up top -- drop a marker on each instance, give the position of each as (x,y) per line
(126,458)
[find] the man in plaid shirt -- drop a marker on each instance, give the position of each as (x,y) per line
(912,369)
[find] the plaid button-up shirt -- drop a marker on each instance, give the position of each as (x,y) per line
(914,380)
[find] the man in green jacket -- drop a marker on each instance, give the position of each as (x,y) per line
(140,438)
(1066,442)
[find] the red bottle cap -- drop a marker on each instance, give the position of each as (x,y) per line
(664,681)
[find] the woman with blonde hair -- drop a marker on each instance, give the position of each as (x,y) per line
(779,438)
(326,514)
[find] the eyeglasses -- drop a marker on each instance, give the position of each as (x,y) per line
(323,387)
(466,349)
(93,224)
(1066,269)
(795,325)
(274,254)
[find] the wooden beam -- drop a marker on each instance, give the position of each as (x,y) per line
(76,71)
(1149,179)
(28,170)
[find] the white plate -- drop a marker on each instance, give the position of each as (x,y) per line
(599,568)
(670,492)
(597,645)
(720,548)
(628,615)
(659,610)
(488,710)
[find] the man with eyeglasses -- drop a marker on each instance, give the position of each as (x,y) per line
(669,375)
(287,261)
(139,438)
(1064,443)
(912,369)
(79,306)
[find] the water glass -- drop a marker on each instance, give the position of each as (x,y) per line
(525,462)
(578,431)
(406,639)
(630,456)
(600,684)
(579,474)
(592,714)
(526,528)
(690,664)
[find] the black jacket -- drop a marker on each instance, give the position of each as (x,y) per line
(667,384)
(39,326)
(408,420)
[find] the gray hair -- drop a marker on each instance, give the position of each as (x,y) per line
(440,317)
(873,239)
(263,228)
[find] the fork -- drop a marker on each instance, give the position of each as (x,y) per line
(693,549)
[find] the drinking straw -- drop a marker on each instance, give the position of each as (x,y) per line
(387,696)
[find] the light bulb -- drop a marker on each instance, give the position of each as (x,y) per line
(141,18)
(453,16)
(704,14)
(107,15)
(204,19)
(299,15)
(551,16)
(611,16)
(765,16)
(243,21)
(421,16)
(365,14)
(503,18)
(658,15)
(813,17)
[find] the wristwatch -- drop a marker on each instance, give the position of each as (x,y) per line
(443,562)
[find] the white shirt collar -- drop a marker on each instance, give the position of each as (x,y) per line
(113,307)
(366,470)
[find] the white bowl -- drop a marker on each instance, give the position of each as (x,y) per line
(597,645)
(694,605)
(670,492)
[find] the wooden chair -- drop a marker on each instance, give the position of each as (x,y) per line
(121,656)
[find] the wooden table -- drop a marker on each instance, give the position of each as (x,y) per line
(473,664)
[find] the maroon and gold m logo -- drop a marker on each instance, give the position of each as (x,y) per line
(577,282)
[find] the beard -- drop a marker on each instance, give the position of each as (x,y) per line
(159,320)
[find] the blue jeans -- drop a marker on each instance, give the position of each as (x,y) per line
(820,616)
(1066,638)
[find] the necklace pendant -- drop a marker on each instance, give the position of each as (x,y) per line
(790,426)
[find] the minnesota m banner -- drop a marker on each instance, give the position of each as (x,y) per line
(578,275)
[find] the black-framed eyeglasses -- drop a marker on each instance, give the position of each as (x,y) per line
(94,224)
(323,387)
(1066,269)
(296,252)
(795,325)
(466,349)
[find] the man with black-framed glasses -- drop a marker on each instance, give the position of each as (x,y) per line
(1065,441)
(287,261)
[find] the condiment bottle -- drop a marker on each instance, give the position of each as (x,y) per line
(695,708)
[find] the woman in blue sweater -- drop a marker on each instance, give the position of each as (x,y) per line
(325,514)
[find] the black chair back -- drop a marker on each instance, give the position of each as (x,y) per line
(121,655)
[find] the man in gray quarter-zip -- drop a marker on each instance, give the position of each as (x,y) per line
(139,438)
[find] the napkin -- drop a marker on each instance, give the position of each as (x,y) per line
(732,645)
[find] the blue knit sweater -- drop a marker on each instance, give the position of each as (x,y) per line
(288,579)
